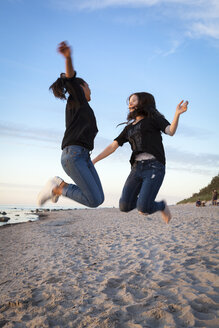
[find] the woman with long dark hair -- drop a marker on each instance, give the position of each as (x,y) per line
(78,141)
(143,131)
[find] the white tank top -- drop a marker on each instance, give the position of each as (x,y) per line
(144,157)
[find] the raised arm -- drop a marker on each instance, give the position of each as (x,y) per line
(106,152)
(181,108)
(65,50)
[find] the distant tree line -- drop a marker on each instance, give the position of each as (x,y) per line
(205,194)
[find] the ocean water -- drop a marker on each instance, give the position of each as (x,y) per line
(17,215)
(20,214)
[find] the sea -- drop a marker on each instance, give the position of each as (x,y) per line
(21,214)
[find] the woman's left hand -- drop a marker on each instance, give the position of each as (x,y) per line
(182,107)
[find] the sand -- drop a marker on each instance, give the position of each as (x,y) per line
(103,268)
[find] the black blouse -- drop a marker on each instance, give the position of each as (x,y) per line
(145,137)
(81,126)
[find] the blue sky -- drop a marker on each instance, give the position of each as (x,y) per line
(169,48)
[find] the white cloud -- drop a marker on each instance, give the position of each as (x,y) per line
(175,44)
(200,18)
(178,159)
(188,159)
(100,4)
(206,29)
(22,132)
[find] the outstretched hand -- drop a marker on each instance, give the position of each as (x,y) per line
(64,49)
(182,107)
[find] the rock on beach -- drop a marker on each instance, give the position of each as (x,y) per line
(4,219)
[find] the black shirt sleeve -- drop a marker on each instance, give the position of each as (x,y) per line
(75,90)
(161,123)
(122,138)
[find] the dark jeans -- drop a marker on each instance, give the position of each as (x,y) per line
(77,164)
(142,186)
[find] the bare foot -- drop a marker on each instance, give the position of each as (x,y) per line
(166,215)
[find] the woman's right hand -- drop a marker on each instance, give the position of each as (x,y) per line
(64,49)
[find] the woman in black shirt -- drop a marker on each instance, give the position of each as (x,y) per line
(143,132)
(77,143)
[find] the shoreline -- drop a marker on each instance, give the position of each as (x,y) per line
(104,268)
(41,212)
(17,216)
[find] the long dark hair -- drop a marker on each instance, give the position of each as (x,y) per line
(146,106)
(58,87)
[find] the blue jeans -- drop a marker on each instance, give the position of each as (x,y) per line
(142,186)
(77,164)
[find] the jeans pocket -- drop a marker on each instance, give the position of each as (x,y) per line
(157,166)
(73,152)
(157,170)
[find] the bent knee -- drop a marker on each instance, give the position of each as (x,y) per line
(124,207)
(95,202)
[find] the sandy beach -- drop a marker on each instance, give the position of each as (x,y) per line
(103,268)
